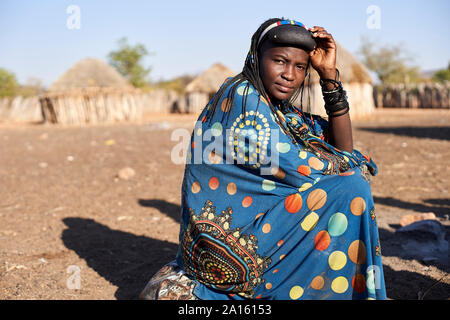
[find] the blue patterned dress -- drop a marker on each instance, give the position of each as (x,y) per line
(268,217)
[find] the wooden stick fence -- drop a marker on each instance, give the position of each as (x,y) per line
(93,105)
(422,95)
(106,106)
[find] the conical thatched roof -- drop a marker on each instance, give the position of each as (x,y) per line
(90,73)
(210,80)
(350,69)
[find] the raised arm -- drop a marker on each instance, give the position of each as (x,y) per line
(323,60)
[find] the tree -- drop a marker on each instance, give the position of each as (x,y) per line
(388,62)
(442,75)
(177,84)
(128,61)
(32,87)
(8,83)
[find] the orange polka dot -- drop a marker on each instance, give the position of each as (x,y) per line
(213,183)
(278,173)
(259,296)
(231,188)
(226,105)
(317,283)
(359,283)
(266,228)
(279,243)
(214,158)
(357,206)
(322,240)
(268,286)
(247,202)
(195,188)
(275,271)
(293,203)
(282,256)
(316,199)
(347,173)
(193,144)
(304,170)
(357,252)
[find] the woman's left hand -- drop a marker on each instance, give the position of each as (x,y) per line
(323,58)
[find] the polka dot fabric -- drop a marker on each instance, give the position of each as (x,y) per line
(264,217)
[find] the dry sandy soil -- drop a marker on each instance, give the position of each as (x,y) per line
(64,212)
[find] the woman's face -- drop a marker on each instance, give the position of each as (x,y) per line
(282,69)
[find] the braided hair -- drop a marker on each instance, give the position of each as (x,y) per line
(251,74)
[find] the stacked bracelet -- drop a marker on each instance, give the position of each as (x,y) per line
(336,103)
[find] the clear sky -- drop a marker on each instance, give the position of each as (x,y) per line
(189,36)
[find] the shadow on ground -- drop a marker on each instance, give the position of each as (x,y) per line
(169,209)
(439,207)
(410,283)
(407,282)
(436,132)
(126,260)
(401,245)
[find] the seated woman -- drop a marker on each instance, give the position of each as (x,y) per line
(276,203)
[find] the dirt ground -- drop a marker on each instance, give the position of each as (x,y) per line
(64,214)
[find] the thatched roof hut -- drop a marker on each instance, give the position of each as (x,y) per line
(210,80)
(91,92)
(200,90)
(90,73)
